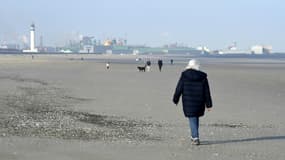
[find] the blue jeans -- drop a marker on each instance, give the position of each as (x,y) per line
(194,126)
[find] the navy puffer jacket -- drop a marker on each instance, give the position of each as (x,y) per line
(194,87)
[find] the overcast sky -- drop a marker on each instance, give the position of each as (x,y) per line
(214,23)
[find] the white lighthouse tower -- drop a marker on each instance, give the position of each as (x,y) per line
(32,40)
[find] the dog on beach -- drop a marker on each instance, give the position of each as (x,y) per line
(141,68)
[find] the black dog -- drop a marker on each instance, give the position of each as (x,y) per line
(141,69)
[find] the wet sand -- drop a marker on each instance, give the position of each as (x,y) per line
(63,107)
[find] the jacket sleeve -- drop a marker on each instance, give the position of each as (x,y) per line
(208,99)
(178,91)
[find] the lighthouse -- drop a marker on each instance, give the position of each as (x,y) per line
(32,37)
(32,40)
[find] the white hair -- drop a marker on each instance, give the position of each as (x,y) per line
(193,64)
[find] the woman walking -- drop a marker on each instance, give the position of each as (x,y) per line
(194,87)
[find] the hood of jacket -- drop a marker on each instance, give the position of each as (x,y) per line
(194,75)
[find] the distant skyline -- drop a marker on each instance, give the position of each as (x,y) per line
(213,23)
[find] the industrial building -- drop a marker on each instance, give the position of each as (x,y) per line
(261,49)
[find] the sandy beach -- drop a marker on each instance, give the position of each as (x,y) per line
(70,107)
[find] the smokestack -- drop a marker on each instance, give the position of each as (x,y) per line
(41,42)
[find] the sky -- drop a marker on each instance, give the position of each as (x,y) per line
(212,23)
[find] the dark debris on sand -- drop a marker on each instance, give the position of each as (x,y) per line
(43,111)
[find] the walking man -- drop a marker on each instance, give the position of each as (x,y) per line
(148,64)
(171,61)
(160,63)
